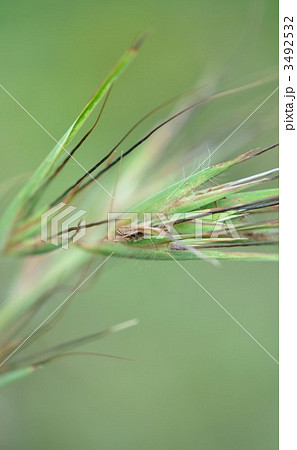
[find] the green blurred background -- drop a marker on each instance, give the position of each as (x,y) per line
(198,381)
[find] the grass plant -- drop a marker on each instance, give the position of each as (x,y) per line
(238,219)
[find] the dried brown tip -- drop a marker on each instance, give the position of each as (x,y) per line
(139,41)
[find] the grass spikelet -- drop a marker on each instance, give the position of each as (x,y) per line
(196,218)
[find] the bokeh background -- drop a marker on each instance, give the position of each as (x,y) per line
(197,380)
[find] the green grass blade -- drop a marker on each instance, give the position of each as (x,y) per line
(247,197)
(170,196)
(129,251)
(42,173)
(15,375)
(200,199)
